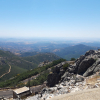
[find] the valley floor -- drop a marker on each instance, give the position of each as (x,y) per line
(91,94)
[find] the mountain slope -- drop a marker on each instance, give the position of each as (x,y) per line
(74,51)
(25,54)
(20,64)
(41,57)
(28,74)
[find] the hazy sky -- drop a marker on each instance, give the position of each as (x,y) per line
(50,18)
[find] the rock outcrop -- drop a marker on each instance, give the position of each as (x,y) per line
(55,76)
(86,65)
(93,69)
(83,74)
(79,83)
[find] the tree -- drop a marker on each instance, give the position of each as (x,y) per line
(65,66)
(72,59)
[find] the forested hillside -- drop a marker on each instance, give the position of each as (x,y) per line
(41,57)
(20,64)
(73,51)
(16,80)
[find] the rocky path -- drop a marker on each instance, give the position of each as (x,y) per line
(7,72)
(91,94)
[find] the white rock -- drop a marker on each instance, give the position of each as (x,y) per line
(75,89)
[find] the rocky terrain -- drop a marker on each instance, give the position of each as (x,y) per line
(82,75)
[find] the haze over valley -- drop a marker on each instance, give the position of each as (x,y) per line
(62,48)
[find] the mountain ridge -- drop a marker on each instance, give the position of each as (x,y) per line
(74,51)
(21,64)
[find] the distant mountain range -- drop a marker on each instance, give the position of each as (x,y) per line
(67,53)
(20,47)
(65,50)
(74,51)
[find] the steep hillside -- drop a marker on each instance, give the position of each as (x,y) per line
(73,51)
(20,64)
(41,71)
(41,57)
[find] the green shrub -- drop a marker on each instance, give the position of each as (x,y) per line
(65,66)
(72,59)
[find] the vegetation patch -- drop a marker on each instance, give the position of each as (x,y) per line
(19,77)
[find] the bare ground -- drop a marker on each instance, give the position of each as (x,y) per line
(91,94)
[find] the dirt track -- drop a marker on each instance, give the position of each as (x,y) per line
(91,94)
(7,72)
